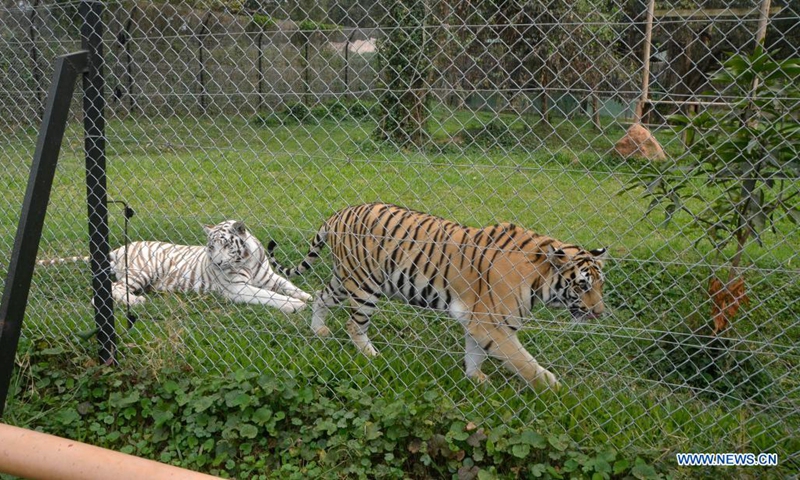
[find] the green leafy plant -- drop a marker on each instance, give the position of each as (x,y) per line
(261,21)
(257,425)
(741,178)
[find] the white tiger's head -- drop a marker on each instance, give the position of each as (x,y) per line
(228,245)
(578,281)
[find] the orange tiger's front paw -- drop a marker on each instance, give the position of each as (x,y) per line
(322,331)
(547,379)
(478,377)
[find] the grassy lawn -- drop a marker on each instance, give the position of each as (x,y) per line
(283,181)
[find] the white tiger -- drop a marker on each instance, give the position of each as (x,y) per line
(233,263)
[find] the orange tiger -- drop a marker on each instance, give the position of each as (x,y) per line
(487,279)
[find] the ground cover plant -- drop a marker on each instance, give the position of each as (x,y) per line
(283,178)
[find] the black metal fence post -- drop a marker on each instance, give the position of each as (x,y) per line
(35,70)
(125,40)
(260,57)
(91,14)
(201,35)
(37,195)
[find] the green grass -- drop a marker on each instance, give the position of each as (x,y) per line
(283,181)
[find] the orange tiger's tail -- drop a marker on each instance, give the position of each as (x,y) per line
(317,246)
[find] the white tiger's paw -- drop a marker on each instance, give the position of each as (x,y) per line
(292,306)
(303,296)
(322,331)
(136,300)
(129,300)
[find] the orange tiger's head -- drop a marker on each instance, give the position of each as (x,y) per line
(577,283)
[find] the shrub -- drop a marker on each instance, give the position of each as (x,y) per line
(359,109)
(252,424)
(299,112)
(717,367)
(270,119)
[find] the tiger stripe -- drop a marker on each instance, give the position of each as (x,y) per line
(233,263)
(486,278)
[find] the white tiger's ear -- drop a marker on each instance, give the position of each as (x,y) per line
(208,228)
(239,228)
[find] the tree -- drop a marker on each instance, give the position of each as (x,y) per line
(742,177)
(404,57)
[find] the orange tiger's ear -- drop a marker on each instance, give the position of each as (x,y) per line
(556,256)
(599,253)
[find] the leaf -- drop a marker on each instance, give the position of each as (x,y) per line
(248,431)
(538,470)
(203,403)
(458,431)
(237,398)
(652,186)
(520,450)
(68,416)
(621,466)
(601,466)
(372,431)
(162,416)
(560,442)
(467,473)
(553,472)
(669,211)
(533,439)
(571,465)
(262,415)
(476,438)
(725,301)
(486,475)
(643,471)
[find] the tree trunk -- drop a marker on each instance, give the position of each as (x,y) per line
(405,60)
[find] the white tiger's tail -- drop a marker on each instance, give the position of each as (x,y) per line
(60,261)
(320,240)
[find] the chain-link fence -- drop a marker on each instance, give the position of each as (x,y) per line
(279,114)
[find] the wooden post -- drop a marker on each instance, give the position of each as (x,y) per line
(596,112)
(545,106)
(648,40)
(763,20)
(347,64)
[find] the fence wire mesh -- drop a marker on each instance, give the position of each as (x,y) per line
(279,114)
